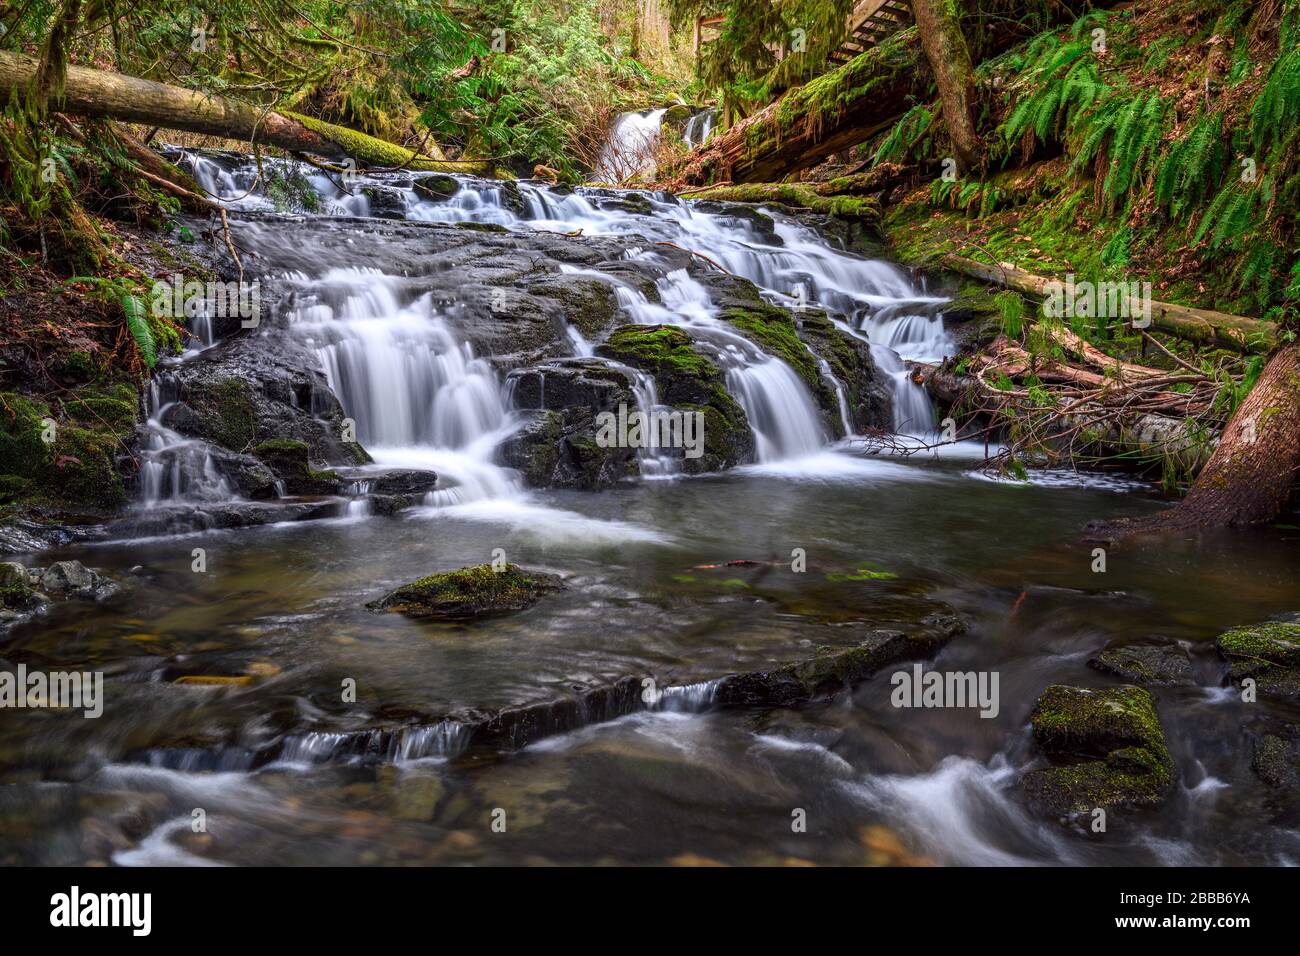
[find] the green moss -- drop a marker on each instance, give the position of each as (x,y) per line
(482,226)
(867,573)
(228,412)
(378,152)
(1273,642)
(469,592)
(1110,748)
(661,349)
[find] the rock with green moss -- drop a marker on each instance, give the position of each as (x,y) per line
(436,187)
(1267,653)
(1107,747)
(557,445)
(469,593)
(1153,663)
(690,381)
(290,459)
(71,457)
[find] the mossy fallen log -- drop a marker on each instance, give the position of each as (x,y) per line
(89,92)
(817,197)
(1203,326)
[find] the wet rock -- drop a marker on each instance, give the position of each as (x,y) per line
(436,187)
(68,578)
(689,381)
(833,669)
(1162,664)
(1268,653)
(1107,747)
(290,460)
(557,446)
(400,482)
(469,593)
(386,202)
(253,390)
(1275,754)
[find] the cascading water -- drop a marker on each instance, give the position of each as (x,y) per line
(630,149)
(422,399)
(699,127)
(419,396)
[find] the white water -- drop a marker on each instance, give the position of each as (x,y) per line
(630,149)
(421,398)
(699,128)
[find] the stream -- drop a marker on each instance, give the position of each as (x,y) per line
(392,303)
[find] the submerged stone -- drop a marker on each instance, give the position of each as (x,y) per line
(1158,664)
(1108,749)
(469,593)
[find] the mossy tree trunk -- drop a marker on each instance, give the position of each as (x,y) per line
(1252,472)
(939,24)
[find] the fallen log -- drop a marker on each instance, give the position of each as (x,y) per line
(1143,437)
(824,116)
(88,92)
(819,197)
(1203,326)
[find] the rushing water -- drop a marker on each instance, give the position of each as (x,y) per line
(286,773)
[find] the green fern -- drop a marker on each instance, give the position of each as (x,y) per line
(133,309)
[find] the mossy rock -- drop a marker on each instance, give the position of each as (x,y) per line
(226,411)
(436,186)
(482,226)
(290,460)
(690,381)
(1108,747)
(469,593)
(1268,653)
(1163,664)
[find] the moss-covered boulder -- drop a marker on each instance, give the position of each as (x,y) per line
(290,459)
(557,445)
(469,593)
(690,381)
(1107,747)
(1154,663)
(436,186)
(1268,653)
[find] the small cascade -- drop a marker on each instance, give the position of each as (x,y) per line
(631,147)
(699,127)
(419,395)
(175,469)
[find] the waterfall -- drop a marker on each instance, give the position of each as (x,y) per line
(630,149)
(419,395)
(173,468)
(699,127)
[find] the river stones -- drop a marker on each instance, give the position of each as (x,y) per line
(469,593)
(1159,664)
(1107,747)
(833,669)
(290,460)
(1268,653)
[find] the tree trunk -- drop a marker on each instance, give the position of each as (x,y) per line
(1251,475)
(90,92)
(939,24)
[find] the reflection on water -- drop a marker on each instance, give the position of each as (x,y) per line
(283,606)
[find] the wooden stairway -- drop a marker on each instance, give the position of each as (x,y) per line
(869,23)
